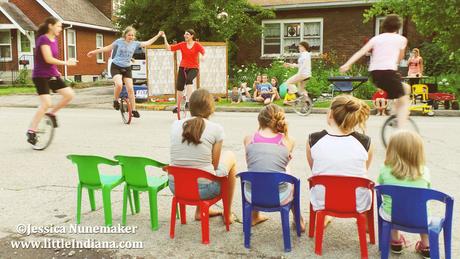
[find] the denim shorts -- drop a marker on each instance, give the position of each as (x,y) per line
(207,190)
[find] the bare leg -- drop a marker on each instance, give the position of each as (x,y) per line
(45,104)
(425,240)
(178,97)
(395,235)
(118,80)
(67,95)
(188,91)
(130,90)
(401,106)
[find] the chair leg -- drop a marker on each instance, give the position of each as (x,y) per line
(226,206)
(107,206)
(297,215)
(137,202)
(447,242)
(125,201)
(319,232)
(130,202)
(361,222)
(247,218)
(183,214)
(434,244)
(79,192)
(153,209)
(286,231)
(204,210)
(172,227)
(370,226)
(385,240)
(311,228)
(92,200)
(379,226)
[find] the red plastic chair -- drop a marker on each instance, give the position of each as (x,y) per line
(186,193)
(340,201)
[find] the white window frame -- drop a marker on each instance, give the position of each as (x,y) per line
(282,22)
(10,44)
(100,60)
(377,25)
(31,34)
(71,44)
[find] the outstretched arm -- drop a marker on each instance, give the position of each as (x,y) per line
(152,40)
(104,49)
(167,46)
(48,57)
(366,48)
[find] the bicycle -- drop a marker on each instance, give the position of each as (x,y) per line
(126,109)
(44,133)
(181,107)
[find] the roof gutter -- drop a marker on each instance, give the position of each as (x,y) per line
(319,5)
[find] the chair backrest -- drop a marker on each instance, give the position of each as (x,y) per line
(409,204)
(265,187)
(186,181)
(419,89)
(133,169)
(343,86)
(87,167)
(340,191)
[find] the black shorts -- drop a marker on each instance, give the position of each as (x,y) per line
(389,81)
(125,72)
(44,84)
(185,76)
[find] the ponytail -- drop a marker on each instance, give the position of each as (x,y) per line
(44,27)
(349,112)
(201,107)
(273,117)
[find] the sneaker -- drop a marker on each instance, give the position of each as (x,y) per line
(136,114)
(424,251)
(31,137)
(398,245)
(53,119)
(174,110)
(116,105)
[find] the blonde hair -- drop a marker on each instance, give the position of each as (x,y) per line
(127,30)
(349,112)
(405,155)
(417,51)
(273,117)
(201,107)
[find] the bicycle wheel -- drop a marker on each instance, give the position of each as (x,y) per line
(45,133)
(125,110)
(303,106)
(390,126)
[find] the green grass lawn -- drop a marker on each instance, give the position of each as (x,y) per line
(10,90)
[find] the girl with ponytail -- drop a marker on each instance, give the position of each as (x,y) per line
(269,149)
(196,142)
(340,149)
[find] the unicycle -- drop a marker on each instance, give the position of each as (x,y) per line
(181,109)
(303,105)
(44,133)
(390,126)
(125,108)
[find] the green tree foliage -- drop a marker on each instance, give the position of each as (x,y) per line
(175,16)
(437,20)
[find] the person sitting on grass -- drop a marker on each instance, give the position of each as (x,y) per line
(291,95)
(380,101)
(244,92)
(269,149)
(235,95)
(275,85)
(264,91)
(257,82)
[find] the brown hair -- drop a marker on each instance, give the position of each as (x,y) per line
(201,107)
(349,112)
(392,23)
(276,79)
(405,155)
(273,117)
(43,28)
(305,45)
(127,30)
(192,32)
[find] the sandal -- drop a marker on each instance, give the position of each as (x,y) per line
(422,249)
(398,245)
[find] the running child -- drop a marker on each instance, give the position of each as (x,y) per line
(46,76)
(189,66)
(120,69)
(388,49)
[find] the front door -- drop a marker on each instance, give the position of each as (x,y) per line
(25,49)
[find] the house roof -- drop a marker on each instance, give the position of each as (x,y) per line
(304,4)
(17,16)
(78,12)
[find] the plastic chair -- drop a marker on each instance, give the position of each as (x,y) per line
(265,197)
(91,179)
(409,213)
(137,180)
(419,90)
(341,87)
(186,193)
(340,201)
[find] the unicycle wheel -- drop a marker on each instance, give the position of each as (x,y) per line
(126,111)
(303,106)
(44,133)
(390,126)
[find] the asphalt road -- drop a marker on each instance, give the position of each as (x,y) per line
(39,187)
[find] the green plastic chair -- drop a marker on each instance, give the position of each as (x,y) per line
(137,180)
(91,179)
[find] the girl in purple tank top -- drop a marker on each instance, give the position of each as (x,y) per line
(46,75)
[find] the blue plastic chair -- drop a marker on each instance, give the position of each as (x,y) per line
(265,197)
(409,214)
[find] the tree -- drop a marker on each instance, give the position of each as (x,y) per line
(175,16)
(438,20)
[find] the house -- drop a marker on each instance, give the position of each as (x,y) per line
(87,25)
(328,26)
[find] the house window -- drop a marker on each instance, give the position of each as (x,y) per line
(379,23)
(282,37)
(100,45)
(26,46)
(71,44)
(5,46)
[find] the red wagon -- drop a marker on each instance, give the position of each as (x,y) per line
(446,99)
